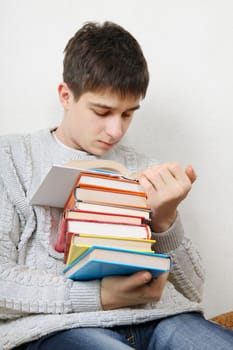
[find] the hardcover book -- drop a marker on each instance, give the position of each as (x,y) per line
(100,228)
(107,217)
(98,262)
(76,244)
(112,183)
(108,228)
(120,210)
(107,196)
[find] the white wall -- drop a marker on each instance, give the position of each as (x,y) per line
(187,115)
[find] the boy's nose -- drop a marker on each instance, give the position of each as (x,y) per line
(114,127)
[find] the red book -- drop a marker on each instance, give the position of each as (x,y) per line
(104,216)
(98,227)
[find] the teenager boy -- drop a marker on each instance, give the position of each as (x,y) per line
(104,80)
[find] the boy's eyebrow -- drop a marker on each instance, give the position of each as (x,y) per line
(101,105)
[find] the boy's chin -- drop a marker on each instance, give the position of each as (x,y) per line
(99,152)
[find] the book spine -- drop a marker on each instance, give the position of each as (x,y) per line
(60,244)
(69,237)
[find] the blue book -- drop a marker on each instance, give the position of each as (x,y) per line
(100,261)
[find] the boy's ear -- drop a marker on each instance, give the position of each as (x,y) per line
(65,95)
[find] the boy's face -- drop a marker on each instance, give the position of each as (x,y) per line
(97,121)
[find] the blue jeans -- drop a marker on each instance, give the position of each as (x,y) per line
(188,331)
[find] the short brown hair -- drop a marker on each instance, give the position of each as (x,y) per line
(107,56)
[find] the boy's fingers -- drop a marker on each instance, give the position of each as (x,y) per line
(190,173)
(137,280)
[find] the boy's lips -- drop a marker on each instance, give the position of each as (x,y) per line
(107,144)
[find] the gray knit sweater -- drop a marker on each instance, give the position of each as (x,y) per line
(35,298)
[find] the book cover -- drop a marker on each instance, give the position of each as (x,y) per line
(98,262)
(76,244)
(75,252)
(60,179)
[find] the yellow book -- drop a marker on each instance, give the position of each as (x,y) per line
(75,251)
(77,244)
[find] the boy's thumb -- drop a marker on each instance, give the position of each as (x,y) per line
(191,173)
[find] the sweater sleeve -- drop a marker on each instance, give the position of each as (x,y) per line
(25,288)
(187,273)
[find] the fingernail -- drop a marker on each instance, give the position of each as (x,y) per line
(147,277)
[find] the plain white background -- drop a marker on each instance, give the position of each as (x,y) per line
(186,116)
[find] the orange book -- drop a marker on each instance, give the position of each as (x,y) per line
(109,181)
(116,190)
(111,197)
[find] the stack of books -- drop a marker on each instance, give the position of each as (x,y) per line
(105,225)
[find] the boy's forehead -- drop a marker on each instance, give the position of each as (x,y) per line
(111,99)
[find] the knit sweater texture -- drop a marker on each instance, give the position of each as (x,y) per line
(35,297)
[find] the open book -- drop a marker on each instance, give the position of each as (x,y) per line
(57,184)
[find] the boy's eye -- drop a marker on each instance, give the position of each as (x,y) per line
(101,113)
(105,113)
(127,115)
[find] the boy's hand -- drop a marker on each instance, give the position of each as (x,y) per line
(166,186)
(137,289)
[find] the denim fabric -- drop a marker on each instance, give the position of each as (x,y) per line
(188,331)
